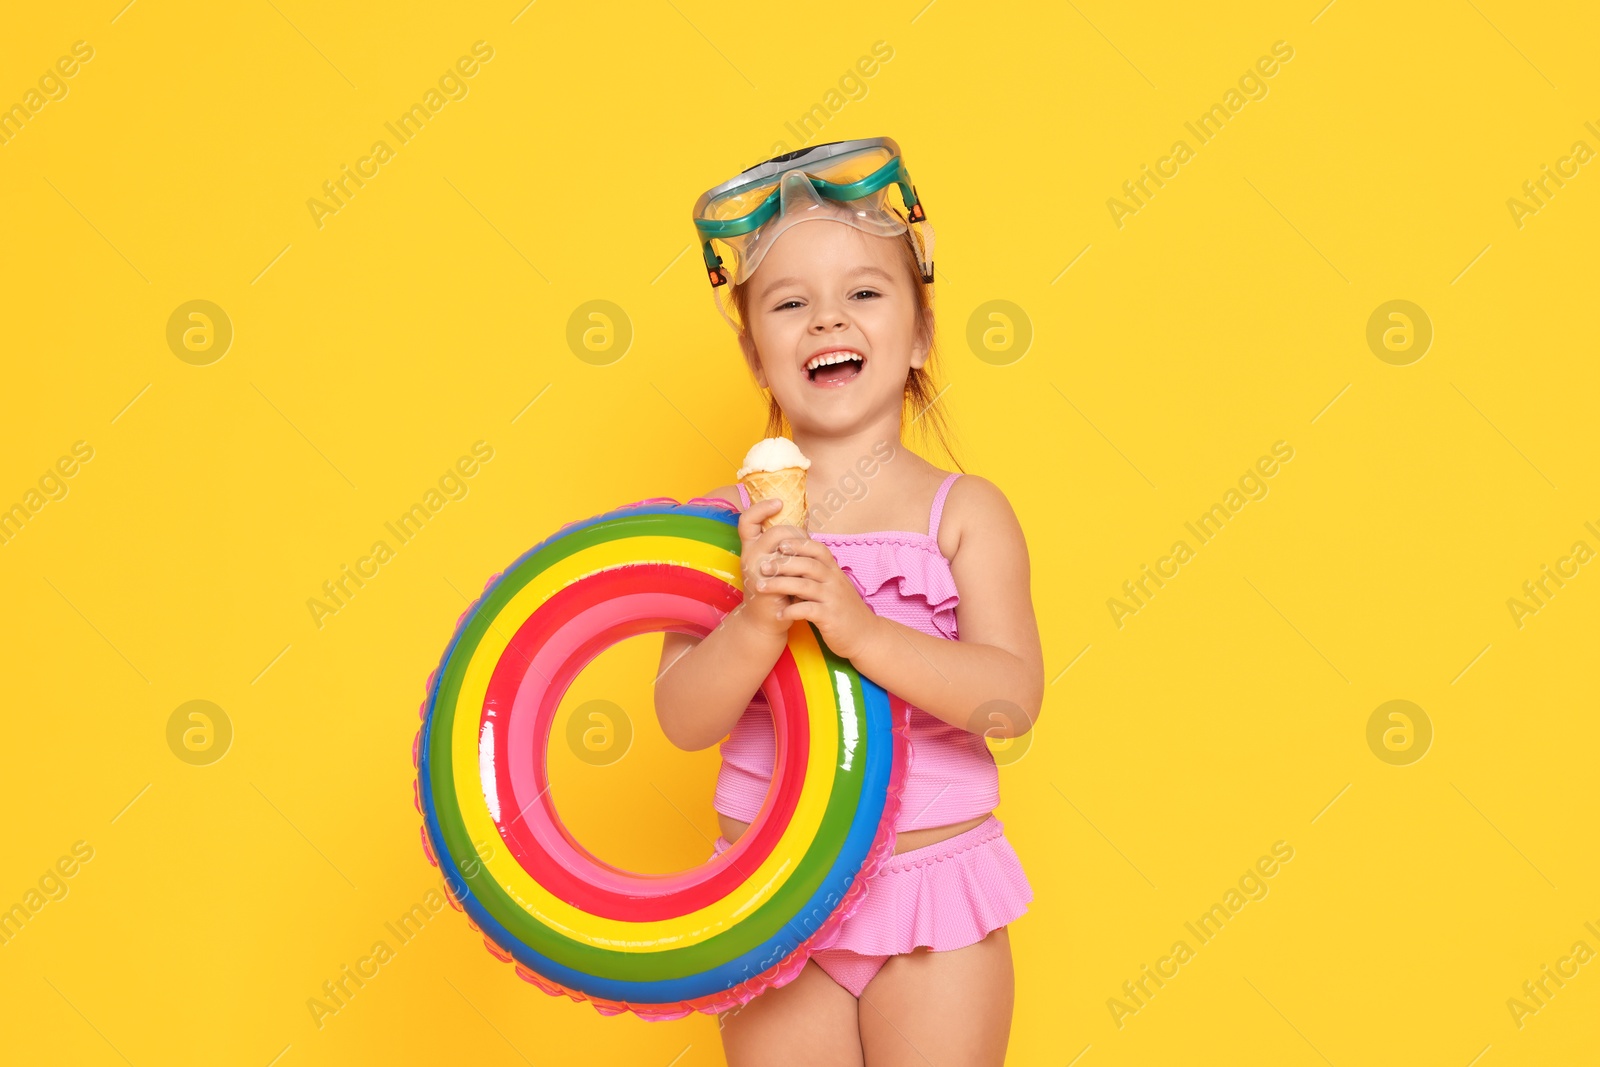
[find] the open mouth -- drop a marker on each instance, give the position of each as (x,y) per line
(835,368)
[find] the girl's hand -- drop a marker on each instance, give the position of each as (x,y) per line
(762,609)
(820,592)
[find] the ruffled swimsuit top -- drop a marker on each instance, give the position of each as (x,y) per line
(904,577)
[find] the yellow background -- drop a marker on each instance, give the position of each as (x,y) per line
(1229,313)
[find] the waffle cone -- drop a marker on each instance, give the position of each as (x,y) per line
(789,485)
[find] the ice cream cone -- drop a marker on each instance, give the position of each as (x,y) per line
(789,485)
(774,467)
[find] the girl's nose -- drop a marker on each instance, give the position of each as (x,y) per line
(826,319)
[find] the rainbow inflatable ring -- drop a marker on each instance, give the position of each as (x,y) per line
(661,946)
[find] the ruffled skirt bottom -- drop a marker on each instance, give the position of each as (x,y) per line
(947,895)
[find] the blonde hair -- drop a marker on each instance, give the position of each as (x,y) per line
(921,384)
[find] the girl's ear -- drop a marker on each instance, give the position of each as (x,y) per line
(752,358)
(923,341)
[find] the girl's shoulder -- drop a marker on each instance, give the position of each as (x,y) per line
(727,493)
(977,514)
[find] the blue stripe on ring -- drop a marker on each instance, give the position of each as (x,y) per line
(863,830)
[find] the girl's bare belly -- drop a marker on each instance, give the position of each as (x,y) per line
(904,841)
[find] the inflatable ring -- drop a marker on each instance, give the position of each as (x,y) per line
(661,946)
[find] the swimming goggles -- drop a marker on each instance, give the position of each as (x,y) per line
(848,181)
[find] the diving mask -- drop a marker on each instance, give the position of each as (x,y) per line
(847,181)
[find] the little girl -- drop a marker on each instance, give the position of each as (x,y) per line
(836,324)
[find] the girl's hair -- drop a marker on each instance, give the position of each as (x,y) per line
(921,383)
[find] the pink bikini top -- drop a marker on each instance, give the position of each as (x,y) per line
(902,576)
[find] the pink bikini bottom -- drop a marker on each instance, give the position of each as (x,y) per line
(944,896)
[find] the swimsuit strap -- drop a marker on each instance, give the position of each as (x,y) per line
(744,496)
(938,504)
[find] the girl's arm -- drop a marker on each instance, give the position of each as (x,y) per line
(704,685)
(991,681)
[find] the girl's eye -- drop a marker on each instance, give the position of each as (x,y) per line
(792,303)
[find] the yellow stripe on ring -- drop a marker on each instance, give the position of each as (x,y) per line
(693,927)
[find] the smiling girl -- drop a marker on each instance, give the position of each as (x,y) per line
(921,581)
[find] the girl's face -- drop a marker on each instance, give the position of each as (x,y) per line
(825,285)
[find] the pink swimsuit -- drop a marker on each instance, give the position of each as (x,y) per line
(946,895)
